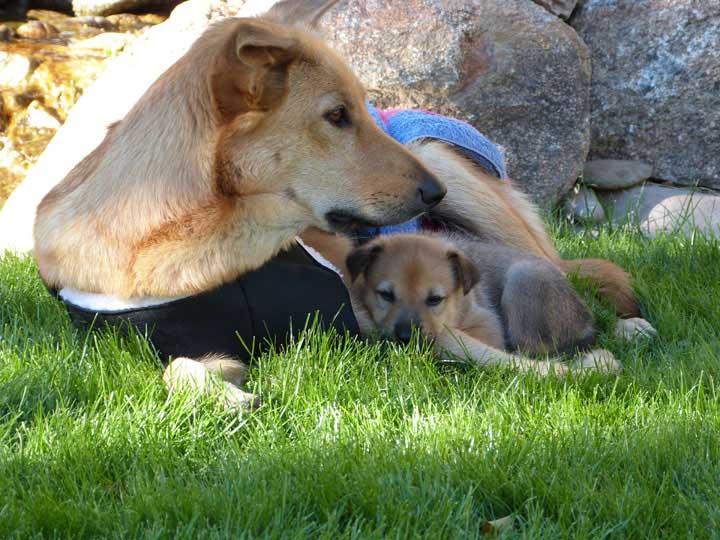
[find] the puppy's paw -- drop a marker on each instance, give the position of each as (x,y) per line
(634,328)
(235,398)
(600,360)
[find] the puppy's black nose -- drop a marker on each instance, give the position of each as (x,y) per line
(431,190)
(403,332)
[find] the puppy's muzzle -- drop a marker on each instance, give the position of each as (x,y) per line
(403,330)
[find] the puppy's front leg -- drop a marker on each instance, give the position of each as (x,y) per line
(211,373)
(456,342)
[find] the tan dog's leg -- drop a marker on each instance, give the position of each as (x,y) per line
(211,373)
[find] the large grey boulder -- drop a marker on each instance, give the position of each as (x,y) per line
(656,84)
(109,7)
(509,67)
(561,8)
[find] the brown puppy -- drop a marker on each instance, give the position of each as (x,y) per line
(474,299)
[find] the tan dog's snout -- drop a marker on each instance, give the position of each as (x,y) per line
(430,190)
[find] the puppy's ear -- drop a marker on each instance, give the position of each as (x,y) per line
(305,12)
(360,260)
(251,74)
(465,271)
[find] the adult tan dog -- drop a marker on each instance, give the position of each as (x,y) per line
(258,132)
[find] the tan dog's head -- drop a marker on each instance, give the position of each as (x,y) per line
(408,281)
(294,123)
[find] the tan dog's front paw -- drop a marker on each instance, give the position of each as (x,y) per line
(634,328)
(600,360)
(188,374)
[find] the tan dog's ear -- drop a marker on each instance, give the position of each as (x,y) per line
(465,271)
(360,260)
(252,74)
(306,12)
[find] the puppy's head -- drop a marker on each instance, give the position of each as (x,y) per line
(408,281)
(294,123)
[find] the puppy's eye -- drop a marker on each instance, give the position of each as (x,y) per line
(434,300)
(388,296)
(338,116)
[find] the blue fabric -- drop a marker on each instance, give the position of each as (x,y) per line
(406,126)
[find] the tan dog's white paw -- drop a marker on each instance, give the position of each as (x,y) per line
(186,373)
(600,360)
(189,374)
(235,398)
(634,328)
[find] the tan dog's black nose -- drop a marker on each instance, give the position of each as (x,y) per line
(431,190)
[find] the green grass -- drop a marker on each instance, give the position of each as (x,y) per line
(357,441)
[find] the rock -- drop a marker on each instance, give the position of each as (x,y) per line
(37,30)
(583,205)
(126,21)
(45,15)
(109,42)
(61,83)
(80,26)
(656,84)
(94,21)
(6,32)
(615,173)
(514,71)
(4,114)
(34,121)
(14,70)
(122,83)
(108,7)
(152,18)
(658,208)
(561,8)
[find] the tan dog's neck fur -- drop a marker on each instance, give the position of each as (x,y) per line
(216,169)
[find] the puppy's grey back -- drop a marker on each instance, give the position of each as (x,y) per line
(540,310)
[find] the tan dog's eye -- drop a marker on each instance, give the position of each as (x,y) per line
(434,300)
(338,116)
(388,296)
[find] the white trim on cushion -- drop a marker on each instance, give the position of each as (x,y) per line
(107,303)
